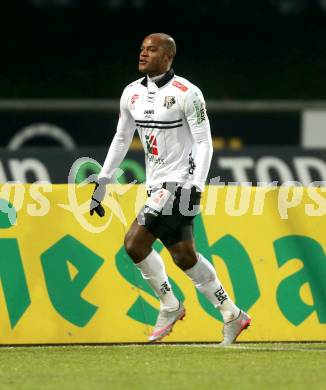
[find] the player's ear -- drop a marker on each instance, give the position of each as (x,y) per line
(170,56)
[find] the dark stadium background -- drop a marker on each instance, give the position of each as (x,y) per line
(233,49)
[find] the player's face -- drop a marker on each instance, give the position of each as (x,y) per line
(154,58)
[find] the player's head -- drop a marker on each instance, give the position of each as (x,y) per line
(157,53)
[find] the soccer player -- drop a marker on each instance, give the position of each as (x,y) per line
(170,116)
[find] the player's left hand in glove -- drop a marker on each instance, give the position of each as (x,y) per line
(97,197)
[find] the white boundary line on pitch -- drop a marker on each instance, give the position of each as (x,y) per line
(278,349)
(231,347)
(246,347)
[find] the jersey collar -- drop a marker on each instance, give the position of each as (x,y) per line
(162,81)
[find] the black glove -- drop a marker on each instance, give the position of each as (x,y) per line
(97,197)
(97,207)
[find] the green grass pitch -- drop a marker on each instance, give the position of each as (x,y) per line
(164,366)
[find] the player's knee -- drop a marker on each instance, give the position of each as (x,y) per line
(130,246)
(134,249)
(178,260)
(184,259)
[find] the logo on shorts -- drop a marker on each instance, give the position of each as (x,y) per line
(169,101)
(151,144)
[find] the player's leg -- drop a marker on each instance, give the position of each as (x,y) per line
(204,276)
(138,245)
(138,242)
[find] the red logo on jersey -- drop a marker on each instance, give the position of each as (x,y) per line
(180,86)
(151,144)
(134,98)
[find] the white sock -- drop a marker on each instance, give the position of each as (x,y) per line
(153,270)
(204,276)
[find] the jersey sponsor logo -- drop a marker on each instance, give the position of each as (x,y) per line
(151,144)
(154,159)
(169,101)
(180,86)
(200,111)
(148,113)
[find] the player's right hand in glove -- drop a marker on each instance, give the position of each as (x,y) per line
(97,197)
(97,207)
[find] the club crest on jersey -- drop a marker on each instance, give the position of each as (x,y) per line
(169,101)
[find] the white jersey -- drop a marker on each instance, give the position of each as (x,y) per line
(170,117)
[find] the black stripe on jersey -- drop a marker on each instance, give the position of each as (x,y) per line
(158,127)
(160,122)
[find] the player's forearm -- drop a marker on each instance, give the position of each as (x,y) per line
(204,152)
(117,152)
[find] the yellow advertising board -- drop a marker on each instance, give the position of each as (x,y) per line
(66,278)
